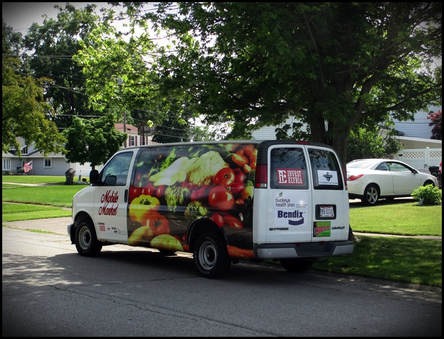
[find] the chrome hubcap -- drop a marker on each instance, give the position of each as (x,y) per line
(84,237)
(207,255)
(372,195)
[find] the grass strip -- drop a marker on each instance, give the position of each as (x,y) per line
(56,195)
(16,212)
(416,261)
(402,219)
(34,179)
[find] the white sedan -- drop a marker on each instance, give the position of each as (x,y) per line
(371,179)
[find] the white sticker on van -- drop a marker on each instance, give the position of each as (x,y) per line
(290,176)
(288,210)
(327,177)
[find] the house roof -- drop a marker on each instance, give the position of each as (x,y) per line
(131,129)
(432,141)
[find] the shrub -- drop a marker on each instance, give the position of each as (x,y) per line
(427,195)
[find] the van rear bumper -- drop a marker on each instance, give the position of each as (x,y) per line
(303,250)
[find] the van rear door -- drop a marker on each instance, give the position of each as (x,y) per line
(282,207)
(330,207)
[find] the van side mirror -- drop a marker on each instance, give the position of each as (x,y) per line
(94,177)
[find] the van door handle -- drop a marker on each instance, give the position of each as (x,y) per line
(126,196)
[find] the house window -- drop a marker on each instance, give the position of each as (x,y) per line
(47,163)
(132,140)
(25,150)
(6,164)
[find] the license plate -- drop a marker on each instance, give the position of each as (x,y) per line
(325,211)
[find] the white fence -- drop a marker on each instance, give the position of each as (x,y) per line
(421,159)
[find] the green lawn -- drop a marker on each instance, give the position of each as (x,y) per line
(14,212)
(56,195)
(409,260)
(402,218)
(34,179)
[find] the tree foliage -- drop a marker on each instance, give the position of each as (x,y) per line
(24,108)
(436,122)
(50,47)
(334,66)
(109,56)
(370,143)
(92,140)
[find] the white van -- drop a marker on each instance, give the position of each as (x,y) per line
(222,201)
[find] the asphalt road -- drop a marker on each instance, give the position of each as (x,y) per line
(49,290)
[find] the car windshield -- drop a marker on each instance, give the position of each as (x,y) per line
(361,164)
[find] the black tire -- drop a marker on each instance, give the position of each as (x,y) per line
(429,182)
(86,240)
(297,264)
(211,256)
(371,195)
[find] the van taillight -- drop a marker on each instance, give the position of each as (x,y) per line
(354,177)
(261,176)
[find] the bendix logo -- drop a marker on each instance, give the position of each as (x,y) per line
(297,215)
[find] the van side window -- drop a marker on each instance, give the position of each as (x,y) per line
(288,168)
(325,170)
(116,171)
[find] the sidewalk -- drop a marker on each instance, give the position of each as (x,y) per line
(58,225)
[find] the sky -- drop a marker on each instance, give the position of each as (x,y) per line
(21,15)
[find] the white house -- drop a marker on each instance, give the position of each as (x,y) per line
(56,164)
(418,149)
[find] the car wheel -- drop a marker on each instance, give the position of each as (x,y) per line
(211,256)
(296,264)
(371,195)
(86,239)
(428,182)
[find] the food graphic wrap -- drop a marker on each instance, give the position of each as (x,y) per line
(174,185)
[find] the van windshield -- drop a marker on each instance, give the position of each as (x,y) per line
(325,170)
(288,168)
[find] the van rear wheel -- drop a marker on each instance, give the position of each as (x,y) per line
(297,264)
(211,256)
(86,239)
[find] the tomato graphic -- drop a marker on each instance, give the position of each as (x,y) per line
(218,219)
(220,198)
(199,193)
(148,190)
(239,159)
(224,177)
(159,191)
(158,223)
(231,221)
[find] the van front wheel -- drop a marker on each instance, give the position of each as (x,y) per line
(86,239)
(211,256)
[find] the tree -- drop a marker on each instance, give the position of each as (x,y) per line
(93,140)
(23,105)
(436,122)
(49,50)
(107,55)
(370,143)
(334,66)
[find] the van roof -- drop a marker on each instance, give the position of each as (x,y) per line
(263,142)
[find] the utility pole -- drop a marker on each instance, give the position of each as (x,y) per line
(119,82)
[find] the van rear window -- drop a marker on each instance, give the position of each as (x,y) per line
(288,168)
(325,169)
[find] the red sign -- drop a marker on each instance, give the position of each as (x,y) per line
(290,176)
